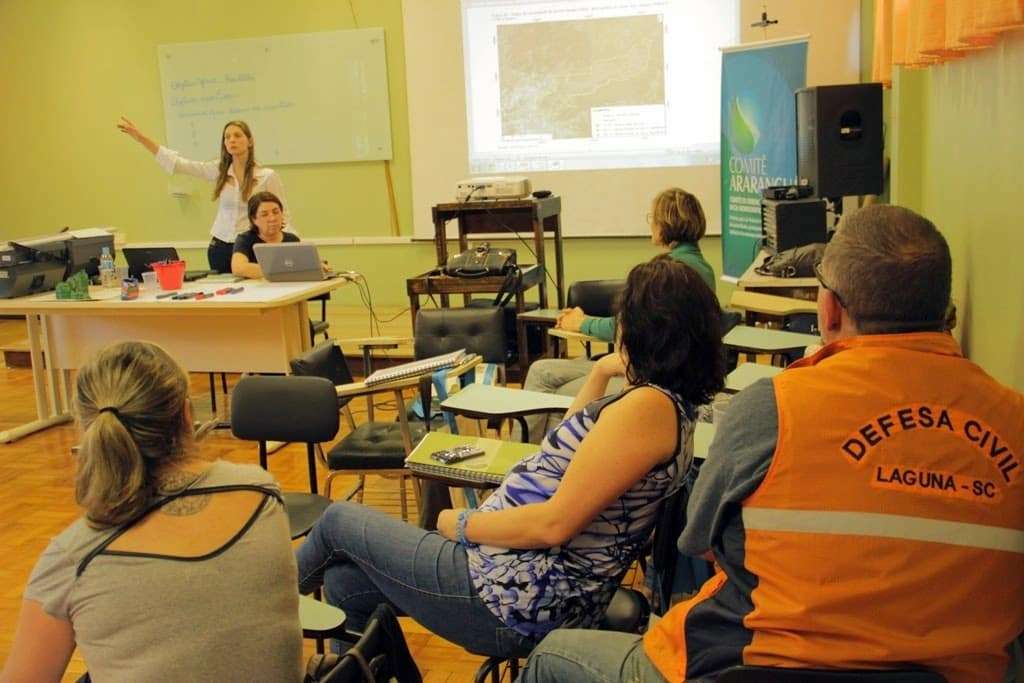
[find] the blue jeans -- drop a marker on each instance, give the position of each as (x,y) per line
(576,655)
(363,557)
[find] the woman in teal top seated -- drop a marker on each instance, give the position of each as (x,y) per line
(677,225)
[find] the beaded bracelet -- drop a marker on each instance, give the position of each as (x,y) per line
(460,527)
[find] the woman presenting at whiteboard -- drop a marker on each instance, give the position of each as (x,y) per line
(235,176)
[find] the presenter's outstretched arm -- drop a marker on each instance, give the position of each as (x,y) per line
(129,129)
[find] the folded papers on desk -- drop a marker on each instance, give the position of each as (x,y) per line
(417,367)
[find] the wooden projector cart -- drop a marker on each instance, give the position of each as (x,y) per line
(529,218)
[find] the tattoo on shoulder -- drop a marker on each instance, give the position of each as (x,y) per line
(187,505)
(173,482)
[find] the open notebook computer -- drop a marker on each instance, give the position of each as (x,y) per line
(139,258)
(290,262)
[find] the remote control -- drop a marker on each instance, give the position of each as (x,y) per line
(458,454)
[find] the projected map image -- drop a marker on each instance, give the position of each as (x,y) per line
(553,75)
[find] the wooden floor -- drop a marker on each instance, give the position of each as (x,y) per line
(36,502)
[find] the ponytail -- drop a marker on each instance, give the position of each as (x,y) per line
(112,481)
(130,404)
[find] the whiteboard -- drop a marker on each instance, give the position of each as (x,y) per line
(308,97)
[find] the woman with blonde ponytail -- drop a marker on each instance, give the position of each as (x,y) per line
(168,544)
(677,226)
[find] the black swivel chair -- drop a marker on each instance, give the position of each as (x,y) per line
(597,298)
(290,409)
(479,330)
(373,447)
(380,655)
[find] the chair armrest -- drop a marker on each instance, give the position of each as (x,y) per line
(354,389)
(770,304)
(578,336)
(361,389)
(375,342)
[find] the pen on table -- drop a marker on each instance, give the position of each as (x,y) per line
(165,296)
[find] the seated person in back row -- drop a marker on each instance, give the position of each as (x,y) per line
(266,226)
(677,225)
(865,507)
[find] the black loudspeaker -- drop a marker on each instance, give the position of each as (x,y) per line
(839,139)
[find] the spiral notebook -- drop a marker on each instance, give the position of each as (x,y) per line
(417,367)
(490,468)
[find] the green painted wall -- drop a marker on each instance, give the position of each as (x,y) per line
(63,162)
(74,66)
(957,160)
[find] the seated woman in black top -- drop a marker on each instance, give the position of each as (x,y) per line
(266,225)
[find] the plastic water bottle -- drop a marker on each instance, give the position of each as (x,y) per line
(107,273)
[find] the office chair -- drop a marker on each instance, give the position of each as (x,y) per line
(290,409)
(597,298)
(374,447)
(381,654)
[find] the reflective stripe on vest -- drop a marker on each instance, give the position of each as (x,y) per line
(884,526)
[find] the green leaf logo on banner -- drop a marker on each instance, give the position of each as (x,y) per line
(743,132)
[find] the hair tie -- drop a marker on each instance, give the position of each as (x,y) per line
(111,409)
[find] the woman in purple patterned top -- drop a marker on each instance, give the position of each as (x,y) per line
(549,546)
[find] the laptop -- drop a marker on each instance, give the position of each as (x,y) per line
(139,258)
(290,262)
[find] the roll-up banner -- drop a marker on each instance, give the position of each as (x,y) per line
(758,137)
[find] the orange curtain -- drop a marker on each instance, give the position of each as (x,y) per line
(920,33)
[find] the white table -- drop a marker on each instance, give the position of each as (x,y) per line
(484,401)
(748,339)
(746,374)
(256,330)
(703,435)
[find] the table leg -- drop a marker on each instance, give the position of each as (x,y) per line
(46,417)
(53,386)
(521,334)
(441,240)
(524,352)
(524,429)
(538,242)
(559,262)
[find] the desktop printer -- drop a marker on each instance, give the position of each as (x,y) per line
(36,265)
(492,187)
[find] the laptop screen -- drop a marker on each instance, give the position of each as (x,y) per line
(139,258)
(289,262)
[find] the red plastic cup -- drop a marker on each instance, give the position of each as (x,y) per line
(170,275)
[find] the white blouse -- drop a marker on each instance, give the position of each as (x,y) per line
(232,211)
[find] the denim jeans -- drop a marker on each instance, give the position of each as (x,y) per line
(576,655)
(363,557)
(561,376)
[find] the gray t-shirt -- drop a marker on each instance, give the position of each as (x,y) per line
(230,616)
